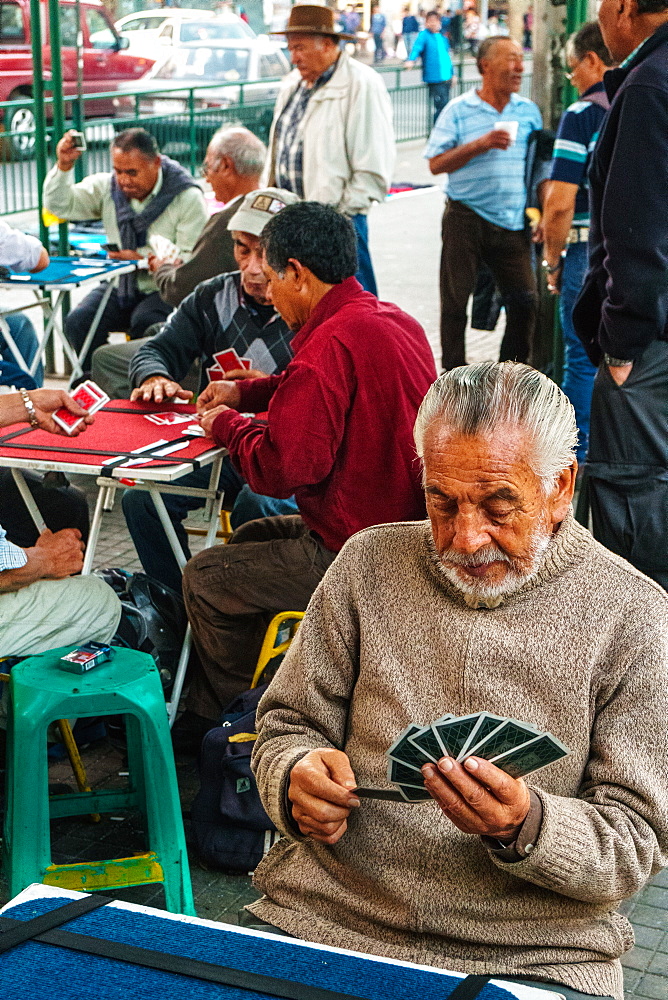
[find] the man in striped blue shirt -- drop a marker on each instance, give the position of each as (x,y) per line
(566,210)
(480,140)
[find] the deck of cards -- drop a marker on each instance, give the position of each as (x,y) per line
(226,361)
(163,248)
(518,748)
(89,396)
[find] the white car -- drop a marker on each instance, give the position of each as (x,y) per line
(150,32)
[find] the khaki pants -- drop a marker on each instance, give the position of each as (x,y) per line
(53,613)
(233,591)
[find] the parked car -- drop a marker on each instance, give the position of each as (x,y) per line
(106,63)
(150,31)
(164,108)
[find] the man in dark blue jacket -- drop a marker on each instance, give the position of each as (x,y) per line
(621,315)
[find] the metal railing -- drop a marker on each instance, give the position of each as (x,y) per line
(180,122)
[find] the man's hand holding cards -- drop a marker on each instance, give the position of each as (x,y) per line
(89,397)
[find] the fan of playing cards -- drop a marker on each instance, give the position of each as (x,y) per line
(518,748)
(226,361)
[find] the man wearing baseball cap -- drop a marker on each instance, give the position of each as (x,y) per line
(232,310)
(332,138)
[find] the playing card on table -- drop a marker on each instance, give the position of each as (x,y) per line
(405,752)
(530,757)
(401,774)
(508,736)
(452,734)
(168,417)
(89,396)
(229,359)
(426,741)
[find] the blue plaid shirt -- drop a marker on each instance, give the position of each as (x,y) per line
(11,556)
(289,136)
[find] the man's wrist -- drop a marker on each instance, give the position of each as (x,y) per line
(30,408)
(553,268)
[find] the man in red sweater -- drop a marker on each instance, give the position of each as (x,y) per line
(339,436)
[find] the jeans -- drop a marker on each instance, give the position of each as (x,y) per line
(148,535)
(579,372)
(379,53)
(365,274)
(440,95)
(144,311)
(25,338)
(468,240)
(409,41)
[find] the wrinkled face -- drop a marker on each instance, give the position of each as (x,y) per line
(311,54)
(248,255)
(502,69)
(136,176)
(285,294)
(216,170)
(491,521)
(433,23)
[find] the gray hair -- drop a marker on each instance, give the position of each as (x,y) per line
(479,399)
(246,151)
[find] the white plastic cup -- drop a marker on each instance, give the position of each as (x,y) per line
(509,127)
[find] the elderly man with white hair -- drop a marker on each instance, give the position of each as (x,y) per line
(499,602)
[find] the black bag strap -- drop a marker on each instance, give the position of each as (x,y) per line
(469,988)
(25,930)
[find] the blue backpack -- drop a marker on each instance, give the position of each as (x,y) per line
(230,829)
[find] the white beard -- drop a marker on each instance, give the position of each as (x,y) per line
(517,574)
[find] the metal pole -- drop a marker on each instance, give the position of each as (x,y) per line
(38,110)
(58,103)
(78,110)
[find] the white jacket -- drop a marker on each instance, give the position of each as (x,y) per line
(348,138)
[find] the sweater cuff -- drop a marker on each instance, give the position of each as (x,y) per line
(276,802)
(226,423)
(526,839)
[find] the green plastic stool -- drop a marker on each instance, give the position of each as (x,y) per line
(129,684)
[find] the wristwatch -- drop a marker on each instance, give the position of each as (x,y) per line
(557,267)
(615,362)
(28,403)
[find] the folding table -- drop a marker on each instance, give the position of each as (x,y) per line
(102,451)
(121,949)
(63,275)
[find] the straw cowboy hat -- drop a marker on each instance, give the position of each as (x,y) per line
(312,19)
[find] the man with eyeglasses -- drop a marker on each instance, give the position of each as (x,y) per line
(566,209)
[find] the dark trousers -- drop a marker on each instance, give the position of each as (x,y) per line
(365,273)
(232,592)
(60,504)
(135,318)
(440,95)
(468,241)
(626,475)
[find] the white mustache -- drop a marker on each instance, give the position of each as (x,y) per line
(485,555)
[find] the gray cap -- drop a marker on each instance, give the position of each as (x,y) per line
(258,208)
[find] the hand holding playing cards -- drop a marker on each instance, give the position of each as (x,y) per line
(478,797)
(218,394)
(60,554)
(236,374)
(47,401)
(158,388)
(321,794)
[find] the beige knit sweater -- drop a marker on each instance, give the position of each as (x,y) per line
(580,651)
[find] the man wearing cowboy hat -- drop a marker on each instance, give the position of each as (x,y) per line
(332,138)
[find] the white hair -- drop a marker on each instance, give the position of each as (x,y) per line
(480,399)
(246,151)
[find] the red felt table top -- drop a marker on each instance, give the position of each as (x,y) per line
(119,427)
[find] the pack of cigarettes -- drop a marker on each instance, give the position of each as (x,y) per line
(89,396)
(84,658)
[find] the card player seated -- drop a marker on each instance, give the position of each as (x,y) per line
(502,602)
(230,311)
(43,603)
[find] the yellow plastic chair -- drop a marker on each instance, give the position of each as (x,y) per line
(223,533)
(275,641)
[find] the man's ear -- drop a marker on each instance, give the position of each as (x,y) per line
(300,273)
(563,493)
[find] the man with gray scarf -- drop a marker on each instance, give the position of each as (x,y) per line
(145,195)
(502,602)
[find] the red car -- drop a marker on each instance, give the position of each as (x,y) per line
(106,64)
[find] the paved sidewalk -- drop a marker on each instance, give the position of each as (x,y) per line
(405,239)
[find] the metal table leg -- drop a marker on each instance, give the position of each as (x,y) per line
(51,329)
(92,330)
(94,532)
(28,500)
